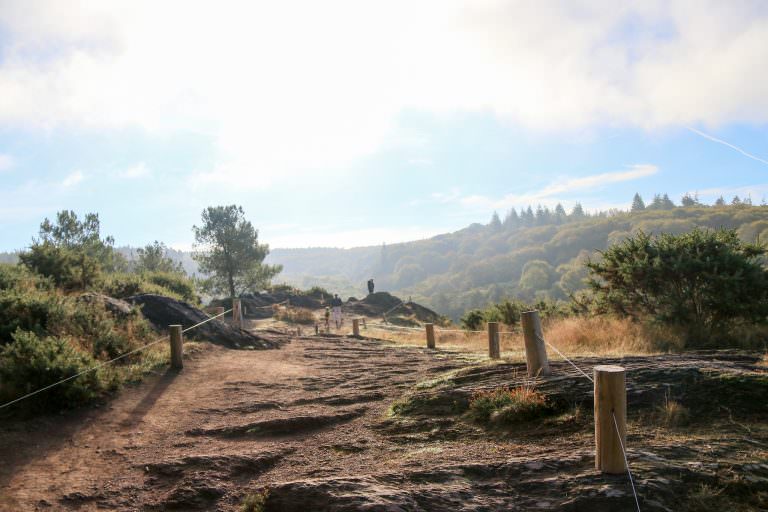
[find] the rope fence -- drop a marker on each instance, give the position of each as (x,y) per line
(105,363)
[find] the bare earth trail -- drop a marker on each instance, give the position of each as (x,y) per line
(310,422)
(231,421)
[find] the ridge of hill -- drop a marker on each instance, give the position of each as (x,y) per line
(469,268)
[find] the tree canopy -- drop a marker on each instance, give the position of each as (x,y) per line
(228,250)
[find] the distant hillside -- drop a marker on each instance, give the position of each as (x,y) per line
(515,258)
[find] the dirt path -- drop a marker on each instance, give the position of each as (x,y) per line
(231,421)
(309,421)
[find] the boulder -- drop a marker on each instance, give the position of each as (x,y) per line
(163,311)
(117,307)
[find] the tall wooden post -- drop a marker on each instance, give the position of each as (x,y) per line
(535,350)
(610,404)
(177,347)
(494,352)
(237,313)
(430,335)
(355,327)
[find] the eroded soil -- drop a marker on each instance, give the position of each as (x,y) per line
(313,422)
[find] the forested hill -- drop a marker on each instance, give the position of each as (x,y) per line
(525,256)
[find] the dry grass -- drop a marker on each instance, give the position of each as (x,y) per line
(573,336)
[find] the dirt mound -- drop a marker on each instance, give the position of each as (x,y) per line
(164,311)
(398,311)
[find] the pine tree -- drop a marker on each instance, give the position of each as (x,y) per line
(688,201)
(577,212)
(560,214)
(638,204)
(495,222)
(666,203)
(512,220)
(720,201)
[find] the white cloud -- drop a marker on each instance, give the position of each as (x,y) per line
(72,179)
(290,87)
(139,170)
(6,162)
(556,192)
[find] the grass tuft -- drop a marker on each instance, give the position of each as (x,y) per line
(255,501)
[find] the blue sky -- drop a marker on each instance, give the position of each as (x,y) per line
(360,123)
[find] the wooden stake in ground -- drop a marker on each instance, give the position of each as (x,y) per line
(430,335)
(219,310)
(237,313)
(610,403)
(535,350)
(177,347)
(355,327)
(494,352)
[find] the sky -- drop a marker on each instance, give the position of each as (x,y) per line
(348,123)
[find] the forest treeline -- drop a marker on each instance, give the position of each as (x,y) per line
(531,254)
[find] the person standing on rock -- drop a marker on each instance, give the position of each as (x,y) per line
(370,286)
(336,303)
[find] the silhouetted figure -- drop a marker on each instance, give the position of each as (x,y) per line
(370,286)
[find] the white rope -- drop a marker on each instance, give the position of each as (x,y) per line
(626,462)
(566,358)
(100,365)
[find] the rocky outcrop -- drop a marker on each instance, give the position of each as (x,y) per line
(117,307)
(163,311)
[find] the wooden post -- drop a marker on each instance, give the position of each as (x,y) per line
(494,351)
(364,326)
(610,402)
(317,330)
(237,313)
(355,327)
(177,347)
(219,310)
(430,335)
(535,350)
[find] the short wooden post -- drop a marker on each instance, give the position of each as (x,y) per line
(494,352)
(364,326)
(610,403)
(430,335)
(177,347)
(355,327)
(298,331)
(535,350)
(317,330)
(237,313)
(219,310)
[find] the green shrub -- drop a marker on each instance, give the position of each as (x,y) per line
(30,362)
(177,286)
(472,320)
(703,281)
(505,406)
(68,268)
(33,311)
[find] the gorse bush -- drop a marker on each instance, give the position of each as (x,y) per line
(177,286)
(703,282)
(295,315)
(47,335)
(30,362)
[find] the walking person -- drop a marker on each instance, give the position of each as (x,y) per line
(370,286)
(327,319)
(336,303)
